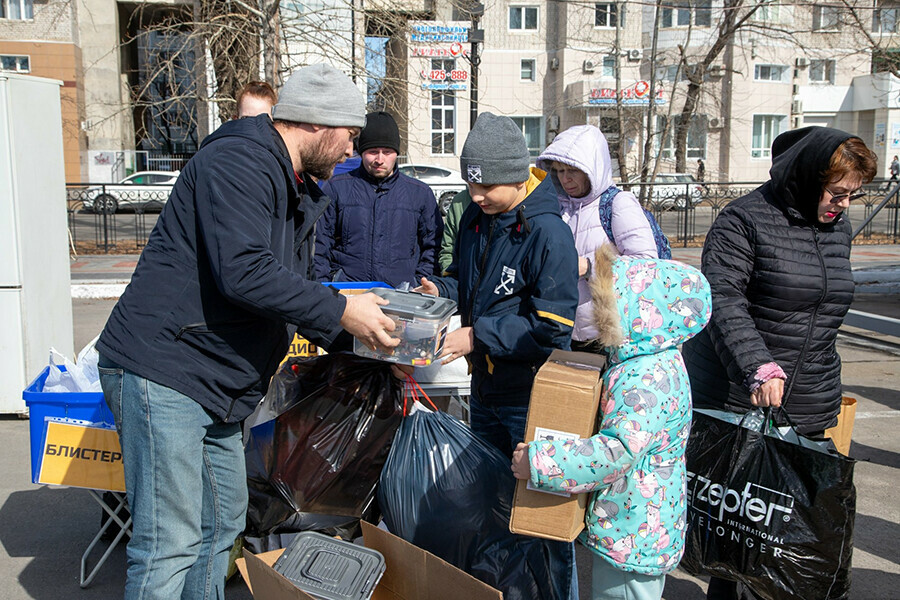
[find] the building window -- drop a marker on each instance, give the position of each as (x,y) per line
(885,19)
(609,15)
(531,129)
(609,67)
(821,70)
(826,17)
(667,72)
(16,64)
(443,122)
(765,129)
(681,13)
(768,12)
(16,9)
(696,136)
(528,69)
(523,18)
(772,73)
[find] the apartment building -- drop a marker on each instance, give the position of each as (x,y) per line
(551,65)
(40,39)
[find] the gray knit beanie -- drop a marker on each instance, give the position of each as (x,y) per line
(495,152)
(321,95)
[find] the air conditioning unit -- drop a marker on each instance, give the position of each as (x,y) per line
(801,62)
(716,71)
(635,54)
(796,107)
(553,122)
(588,66)
(715,123)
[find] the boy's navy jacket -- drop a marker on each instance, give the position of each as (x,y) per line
(373,230)
(227,267)
(515,278)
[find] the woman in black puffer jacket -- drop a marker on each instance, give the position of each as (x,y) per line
(778,263)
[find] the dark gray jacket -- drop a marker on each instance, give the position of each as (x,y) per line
(781,285)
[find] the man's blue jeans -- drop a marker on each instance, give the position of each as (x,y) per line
(186,485)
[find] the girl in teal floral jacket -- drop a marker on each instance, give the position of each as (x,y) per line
(634,465)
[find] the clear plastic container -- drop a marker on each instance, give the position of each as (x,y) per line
(421,325)
(331,569)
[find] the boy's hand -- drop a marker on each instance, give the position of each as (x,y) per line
(364,320)
(519,466)
(427,288)
(458,343)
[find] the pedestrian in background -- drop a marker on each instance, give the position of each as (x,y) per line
(187,353)
(778,264)
(701,170)
(255,98)
(579,166)
(381,225)
(895,169)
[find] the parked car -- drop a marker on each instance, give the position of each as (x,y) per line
(670,190)
(445,183)
(142,190)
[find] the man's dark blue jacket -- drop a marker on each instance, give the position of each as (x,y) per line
(227,268)
(378,230)
(516,280)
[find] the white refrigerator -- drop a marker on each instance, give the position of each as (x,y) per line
(35,289)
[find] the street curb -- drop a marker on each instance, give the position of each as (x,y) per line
(97,290)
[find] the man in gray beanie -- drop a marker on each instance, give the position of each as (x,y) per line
(515,276)
(224,282)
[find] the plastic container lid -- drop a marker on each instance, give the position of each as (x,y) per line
(413,305)
(329,568)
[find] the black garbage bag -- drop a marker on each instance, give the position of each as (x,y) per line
(768,508)
(448,492)
(315,466)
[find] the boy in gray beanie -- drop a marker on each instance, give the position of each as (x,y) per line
(234,248)
(515,276)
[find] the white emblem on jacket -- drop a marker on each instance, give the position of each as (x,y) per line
(507,278)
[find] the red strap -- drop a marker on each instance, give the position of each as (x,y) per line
(412,389)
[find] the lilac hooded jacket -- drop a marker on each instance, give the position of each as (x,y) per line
(584,147)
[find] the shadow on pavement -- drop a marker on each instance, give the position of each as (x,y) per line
(876,456)
(869,584)
(889,398)
(52,527)
(879,537)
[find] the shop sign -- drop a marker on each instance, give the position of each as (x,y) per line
(430,32)
(637,94)
(454,50)
(442,75)
(445,85)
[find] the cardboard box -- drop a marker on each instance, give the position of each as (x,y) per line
(565,398)
(410,574)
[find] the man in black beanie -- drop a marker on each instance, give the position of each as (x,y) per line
(381,225)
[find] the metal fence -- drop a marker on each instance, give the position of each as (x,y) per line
(106,218)
(113,218)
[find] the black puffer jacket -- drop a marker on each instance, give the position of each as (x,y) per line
(781,285)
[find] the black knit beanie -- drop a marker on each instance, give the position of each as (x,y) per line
(380,132)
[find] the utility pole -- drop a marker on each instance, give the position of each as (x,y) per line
(476,36)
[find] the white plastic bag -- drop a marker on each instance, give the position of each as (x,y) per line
(80,376)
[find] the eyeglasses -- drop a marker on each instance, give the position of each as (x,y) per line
(838,198)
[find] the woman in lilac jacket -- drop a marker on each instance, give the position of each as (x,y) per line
(579,165)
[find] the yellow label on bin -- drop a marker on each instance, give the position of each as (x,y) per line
(82,456)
